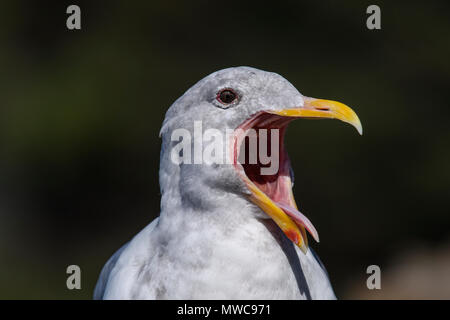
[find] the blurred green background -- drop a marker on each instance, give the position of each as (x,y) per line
(80,113)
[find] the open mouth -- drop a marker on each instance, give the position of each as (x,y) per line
(271,190)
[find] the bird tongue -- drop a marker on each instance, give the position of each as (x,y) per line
(279,189)
(299,218)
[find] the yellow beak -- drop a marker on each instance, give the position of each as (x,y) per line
(320,108)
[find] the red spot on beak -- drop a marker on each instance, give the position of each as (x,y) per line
(292,235)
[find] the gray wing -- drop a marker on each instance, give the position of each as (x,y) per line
(138,248)
(104,275)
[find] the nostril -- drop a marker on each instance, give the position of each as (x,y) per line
(322,108)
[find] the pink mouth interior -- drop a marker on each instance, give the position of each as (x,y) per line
(278,187)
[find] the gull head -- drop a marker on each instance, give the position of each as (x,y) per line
(226,133)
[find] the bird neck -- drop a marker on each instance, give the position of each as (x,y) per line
(201,193)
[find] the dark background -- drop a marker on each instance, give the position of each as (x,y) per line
(80,113)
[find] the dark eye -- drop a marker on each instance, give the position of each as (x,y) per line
(226,96)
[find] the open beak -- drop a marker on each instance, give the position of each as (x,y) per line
(273,193)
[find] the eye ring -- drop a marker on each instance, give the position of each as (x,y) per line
(226,96)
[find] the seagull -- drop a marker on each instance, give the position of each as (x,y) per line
(226,230)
